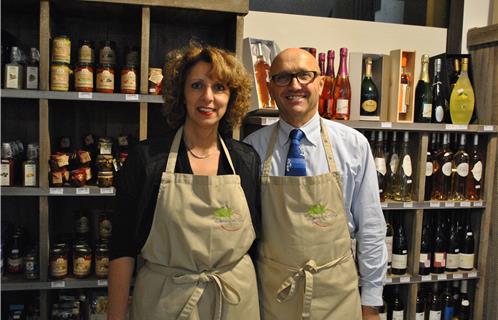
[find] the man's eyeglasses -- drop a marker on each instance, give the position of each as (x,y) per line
(303,77)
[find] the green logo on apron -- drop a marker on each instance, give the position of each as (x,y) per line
(319,215)
(228,219)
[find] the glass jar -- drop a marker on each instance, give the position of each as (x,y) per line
(107,53)
(105,226)
(105,78)
(83,77)
(104,162)
(102,260)
(82,260)
(78,178)
(104,145)
(61,49)
(105,179)
(31,269)
(58,261)
(85,52)
(155,80)
(131,56)
(129,79)
(59,76)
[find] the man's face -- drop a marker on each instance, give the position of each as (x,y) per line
(297,102)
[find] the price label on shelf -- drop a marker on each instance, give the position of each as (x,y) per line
(488,128)
(56,191)
(449,204)
(457,276)
(441,277)
(389,280)
(85,95)
(456,127)
(107,190)
(102,283)
(473,274)
(465,204)
(426,278)
(434,204)
(131,97)
(407,204)
(383,205)
(58,284)
(82,191)
(478,204)
(386,124)
(404,279)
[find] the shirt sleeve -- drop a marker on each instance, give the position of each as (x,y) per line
(370,231)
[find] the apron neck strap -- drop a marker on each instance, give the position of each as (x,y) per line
(173,153)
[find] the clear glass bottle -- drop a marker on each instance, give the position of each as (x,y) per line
(462,97)
(460,171)
(423,94)
(442,178)
(261,70)
(342,90)
(392,168)
(429,167)
(380,164)
(402,187)
(369,94)
(474,179)
(14,71)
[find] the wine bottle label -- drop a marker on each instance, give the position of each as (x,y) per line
(447,169)
(427,110)
(83,79)
(5,175)
(440,259)
(466,260)
(419,316)
(369,105)
(425,260)
(29,175)
(394,162)
(428,168)
(342,106)
(398,315)
(400,261)
(477,171)
(105,80)
(380,165)
(407,165)
(389,245)
(463,170)
(32,78)
(452,260)
(12,78)
(439,113)
(434,315)
(129,80)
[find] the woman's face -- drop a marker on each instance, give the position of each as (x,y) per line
(206,98)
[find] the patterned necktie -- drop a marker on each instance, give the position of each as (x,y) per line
(295,164)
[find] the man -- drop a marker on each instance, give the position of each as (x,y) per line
(319,190)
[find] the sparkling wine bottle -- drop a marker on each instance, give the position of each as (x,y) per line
(342,90)
(440,110)
(369,93)
(423,94)
(327,97)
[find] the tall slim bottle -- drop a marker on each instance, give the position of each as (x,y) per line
(369,94)
(442,179)
(402,189)
(400,248)
(462,97)
(342,90)
(453,252)
(467,251)
(475,171)
(425,248)
(389,241)
(423,94)
(323,94)
(455,74)
(404,89)
(439,247)
(460,171)
(435,304)
(380,164)
(328,88)
(397,307)
(392,168)
(420,305)
(447,303)
(464,312)
(440,110)
(429,167)
(261,70)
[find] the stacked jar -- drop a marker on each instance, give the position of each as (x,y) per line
(105,163)
(61,58)
(84,71)
(105,70)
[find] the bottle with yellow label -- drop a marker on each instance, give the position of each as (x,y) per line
(462,97)
(369,93)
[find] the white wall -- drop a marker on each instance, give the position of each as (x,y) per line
(475,14)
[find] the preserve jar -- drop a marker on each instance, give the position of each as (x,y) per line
(31,265)
(57,178)
(104,162)
(83,77)
(59,76)
(105,179)
(78,177)
(104,145)
(102,260)
(58,261)
(155,80)
(61,49)
(85,52)
(129,79)
(105,78)
(105,226)
(131,55)
(82,260)
(107,53)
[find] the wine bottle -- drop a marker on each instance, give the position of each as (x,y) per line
(440,112)
(369,94)
(435,304)
(420,305)
(467,251)
(460,171)
(261,70)
(425,248)
(462,97)
(392,168)
(454,75)
(447,303)
(423,94)
(456,296)
(464,312)
(439,247)
(380,164)
(429,167)
(383,310)
(442,178)
(342,90)
(402,187)
(389,242)
(397,306)
(475,171)
(453,252)
(400,248)
(328,88)
(323,95)
(404,89)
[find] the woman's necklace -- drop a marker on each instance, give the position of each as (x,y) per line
(197,156)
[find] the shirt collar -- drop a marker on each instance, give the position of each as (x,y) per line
(311,131)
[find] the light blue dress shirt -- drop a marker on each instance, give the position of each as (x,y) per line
(360,188)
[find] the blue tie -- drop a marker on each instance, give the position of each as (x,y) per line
(295,164)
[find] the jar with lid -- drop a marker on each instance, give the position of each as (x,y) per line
(131,56)
(102,260)
(105,78)
(105,226)
(31,269)
(30,166)
(7,166)
(82,260)
(61,49)
(77,177)
(129,79)
(104,162)
(15,255)
(105,179)
(58,261)
(83,77)
(85,52)
(104,145)
(155,80)
(59,76)
(107,52)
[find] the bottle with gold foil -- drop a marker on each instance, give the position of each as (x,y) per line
(423,94)
(369,93)
(462,97)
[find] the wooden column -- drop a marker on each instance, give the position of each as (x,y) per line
(144,71)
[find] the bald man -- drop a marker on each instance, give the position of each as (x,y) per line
(319,190)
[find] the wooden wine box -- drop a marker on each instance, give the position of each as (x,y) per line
(380,75)
(394,114)
(249,57)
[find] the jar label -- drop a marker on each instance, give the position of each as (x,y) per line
(105,80)
(81,266)
(30,175)
(477,171)
(59,80)
(427,110)
(428,168)
(155,75)
(86,54)
(105,228)
(58,267)
(400,261)
(342,106)
(380,165)
(102,266)
(447,169)
(129,81)
(61,50)
(466,260)
(452,260)
(463,170)
(32,78)
(5,175)
(83,79)
(407,165)
(12,80)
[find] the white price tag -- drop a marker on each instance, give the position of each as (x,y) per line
(404,279)
(473,274)
(131,97)
(82,191)
(107,190)
(386,124)
(383,205)
(457,276)
(488,128)
(435,204)
(478,204)
(56,191)
(407,204)
(456,127)
(85,95)
(441,277)
(389,280)
(266,121)
(58,284)
(449,204)
(102,283)
(464,204)
(426,278)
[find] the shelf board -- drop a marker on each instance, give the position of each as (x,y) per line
(447,276)
(80,96)
(393,205)
(18,283)
(92,191)
(268,119)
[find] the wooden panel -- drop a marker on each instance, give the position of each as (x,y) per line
(239,37)
(454,39)
(44,44)
(493,13)
(236,6)
(478,36)
(143,121)
(144,51)
(44,141)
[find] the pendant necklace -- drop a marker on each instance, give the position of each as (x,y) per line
(197,156)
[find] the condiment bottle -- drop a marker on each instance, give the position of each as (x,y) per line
(32,70)
(30,167)
(7,166)
(14,70)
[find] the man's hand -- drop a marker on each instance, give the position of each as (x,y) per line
(369,313)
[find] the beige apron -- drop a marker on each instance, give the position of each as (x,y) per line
(305,264)
(196,263)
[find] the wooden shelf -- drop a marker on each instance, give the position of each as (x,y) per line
(86,191)
(18,283)
(425,205)
(447,276)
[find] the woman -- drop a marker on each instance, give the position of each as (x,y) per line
(188,201)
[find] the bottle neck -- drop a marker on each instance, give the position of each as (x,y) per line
(368,70)
(424,74)
(343,68)
(330,67)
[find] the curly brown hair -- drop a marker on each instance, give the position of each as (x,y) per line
(225,68)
